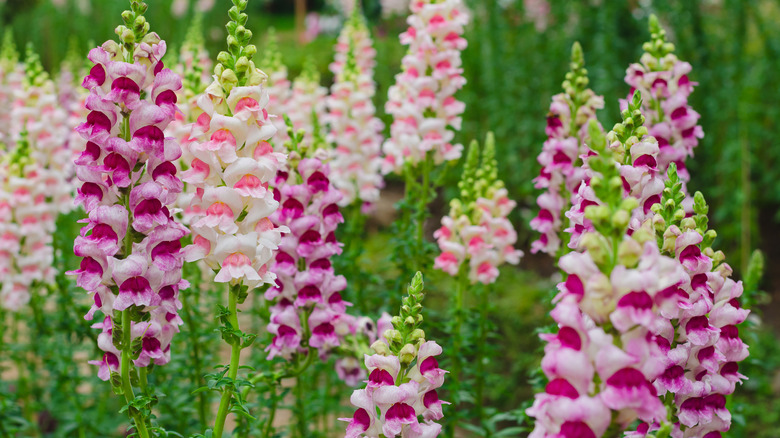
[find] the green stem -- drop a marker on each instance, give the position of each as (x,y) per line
(299,408)
(127,388)
(480,383)
(235,355)
(269,425)
(457,341)
(197,372)
(422,206)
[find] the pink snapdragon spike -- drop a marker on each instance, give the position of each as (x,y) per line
(307,308)
(354,129)
(647,321)
(279,88)
(400,397)
(663,81)
(425,112)
(477,235)
(562,156)
(36,110)
(306,105)
(129,245)
(27,216)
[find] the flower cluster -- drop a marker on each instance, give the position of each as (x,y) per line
(308,309)
(477,229)
(354,129)
(130,246)
(704,349)
(612,309)
(644,307)
(562,171)
(403,378)
(422,101)
(306,105)
(26,225)
(663,81)
(279,88)
(232,165)
(36,111)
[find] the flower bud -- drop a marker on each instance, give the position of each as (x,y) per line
(380,348)
(407,354)
(629,252)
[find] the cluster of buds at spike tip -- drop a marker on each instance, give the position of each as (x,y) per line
(130,245)
(404,376)
(422,101)
(235,66)
(477,234)
(308,311)
(662,80)
(36,112)
(232,166)
(355,131)
(561,156)
(11,78)
(26,226)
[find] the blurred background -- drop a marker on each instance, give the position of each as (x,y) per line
(517,56)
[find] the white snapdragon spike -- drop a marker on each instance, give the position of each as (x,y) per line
(26,225)
(231,167)
(353,127)
(355,37)
(422,101)
(306,107)
(279,89)
(36,112)
(477,234)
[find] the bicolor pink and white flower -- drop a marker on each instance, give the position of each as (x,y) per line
(130,243)
(422,101)
(388,408)
(354,129)
(306,284)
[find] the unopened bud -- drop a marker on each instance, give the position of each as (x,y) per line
(407,354)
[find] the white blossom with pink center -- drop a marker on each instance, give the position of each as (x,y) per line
(422,101)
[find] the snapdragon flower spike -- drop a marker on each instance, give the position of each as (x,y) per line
(231,168)
(129,245)
(306,105)
(663,81)
(562,172)
(36,111)
(704,350)
(27,218)
(425,112)
(308,311)
(353,127)
(612,310)
(279,88)
(400,397)
(477,232)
